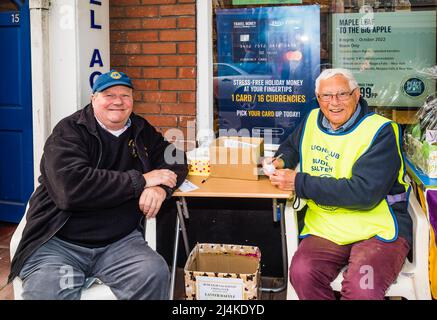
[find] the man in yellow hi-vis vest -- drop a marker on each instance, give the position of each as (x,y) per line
(352,178)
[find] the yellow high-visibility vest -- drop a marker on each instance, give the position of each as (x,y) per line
(333,155)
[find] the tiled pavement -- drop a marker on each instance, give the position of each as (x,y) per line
(6,231)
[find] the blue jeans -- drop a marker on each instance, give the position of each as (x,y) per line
(59,270)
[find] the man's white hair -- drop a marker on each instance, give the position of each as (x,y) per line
(329,73)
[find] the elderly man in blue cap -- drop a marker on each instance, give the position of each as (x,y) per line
(102,172)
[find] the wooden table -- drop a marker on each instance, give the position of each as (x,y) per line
(233,188)
(211,187)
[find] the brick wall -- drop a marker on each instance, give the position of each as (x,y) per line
(154,42)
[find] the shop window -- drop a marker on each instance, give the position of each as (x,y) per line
(390,46)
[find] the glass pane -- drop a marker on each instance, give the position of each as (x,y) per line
(389,45)
(260,57)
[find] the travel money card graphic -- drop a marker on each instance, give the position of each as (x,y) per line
(267,63)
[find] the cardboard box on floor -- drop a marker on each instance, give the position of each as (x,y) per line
(222,272)
(236,157)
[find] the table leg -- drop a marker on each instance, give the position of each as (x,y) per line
(182,207)
(185,208)
(180,226)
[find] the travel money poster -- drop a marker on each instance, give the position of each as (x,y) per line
(267,61)
(388,52)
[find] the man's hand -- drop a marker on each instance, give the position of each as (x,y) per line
(270,167)
(160,176)
(283,179)
(151,200)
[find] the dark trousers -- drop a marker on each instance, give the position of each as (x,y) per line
(373,265)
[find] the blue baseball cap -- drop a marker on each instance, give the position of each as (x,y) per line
(110,79)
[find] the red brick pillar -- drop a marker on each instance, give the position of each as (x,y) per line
(154,42)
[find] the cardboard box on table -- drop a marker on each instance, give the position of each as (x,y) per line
(236,157)
(222,272)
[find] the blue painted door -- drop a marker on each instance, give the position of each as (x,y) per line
(16,152)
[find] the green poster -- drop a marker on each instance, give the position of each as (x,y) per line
(242,2)
(389,54)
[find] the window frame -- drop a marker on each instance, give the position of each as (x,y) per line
(204,91)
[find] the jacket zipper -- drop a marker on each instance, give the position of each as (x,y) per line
(53,234)
(100,151)
(100,145)
(143,161)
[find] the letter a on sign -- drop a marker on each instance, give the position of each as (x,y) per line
(96,58)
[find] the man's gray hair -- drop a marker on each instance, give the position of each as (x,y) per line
(329,73)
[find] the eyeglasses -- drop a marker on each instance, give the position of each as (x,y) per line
(342,96)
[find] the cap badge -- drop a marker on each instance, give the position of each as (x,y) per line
(115,75)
